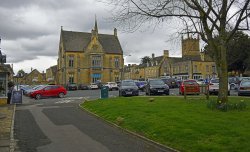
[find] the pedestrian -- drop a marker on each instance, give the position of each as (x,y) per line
(10,89)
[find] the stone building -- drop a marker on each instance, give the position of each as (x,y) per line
(84,57)
(51,74)
(192,65)
(34,78)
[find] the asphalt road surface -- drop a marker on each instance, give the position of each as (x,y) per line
(59,125)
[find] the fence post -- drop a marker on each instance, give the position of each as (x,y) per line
(185,96)
(207,92)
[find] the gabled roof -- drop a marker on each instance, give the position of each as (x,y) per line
(6,68)
(153,62)
(54,69)
(78,41)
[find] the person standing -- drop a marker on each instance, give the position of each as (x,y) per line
(9,93)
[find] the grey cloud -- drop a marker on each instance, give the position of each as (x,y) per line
(31,28)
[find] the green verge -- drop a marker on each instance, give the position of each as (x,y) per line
(185,125)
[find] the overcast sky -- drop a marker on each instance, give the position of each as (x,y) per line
(30,31)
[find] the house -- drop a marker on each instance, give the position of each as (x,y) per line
(85,58)
(192,65)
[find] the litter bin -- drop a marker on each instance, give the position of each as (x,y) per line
(104,92)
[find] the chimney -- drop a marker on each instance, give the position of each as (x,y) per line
(153,55)
(115,32)
(166,53)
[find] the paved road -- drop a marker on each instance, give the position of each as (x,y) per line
(59,125)
(94,94)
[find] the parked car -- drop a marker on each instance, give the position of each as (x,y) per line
(156,86)
(34,88)
(200,81)
(244,88)
(49,91)
(93,86)
(128,88)
(25,88)
(141,84)
(171,82)
(192,87)
(111,85)
(71,86)
(83,87)
(242,79)
(233,82)
(213,87)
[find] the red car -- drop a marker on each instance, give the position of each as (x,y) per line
(49,91)
(192,87)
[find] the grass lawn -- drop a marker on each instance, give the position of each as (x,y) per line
(185,125)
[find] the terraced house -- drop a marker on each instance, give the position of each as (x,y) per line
(85,58)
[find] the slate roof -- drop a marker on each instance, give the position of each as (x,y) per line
(6,68)
(174,59)
(153,62)
(78,41)
(54,69)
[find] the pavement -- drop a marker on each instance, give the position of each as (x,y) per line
(6,117)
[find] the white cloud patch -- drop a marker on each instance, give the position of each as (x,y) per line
(30,31)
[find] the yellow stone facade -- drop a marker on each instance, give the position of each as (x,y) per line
(51,74)
(34,78)
(86,58)
(192,65)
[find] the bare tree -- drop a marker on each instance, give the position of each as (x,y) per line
(208,18)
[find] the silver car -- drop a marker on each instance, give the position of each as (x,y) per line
(244,88)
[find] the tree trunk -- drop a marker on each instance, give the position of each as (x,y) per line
(223,74)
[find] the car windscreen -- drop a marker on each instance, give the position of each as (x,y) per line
(245,84)
(215,81)
(128,83)
(156,82)
(190,82)
(39,88)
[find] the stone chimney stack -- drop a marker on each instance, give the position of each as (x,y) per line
(153,55)
(166,53)
(115,32)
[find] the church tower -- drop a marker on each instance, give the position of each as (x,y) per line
(190,46)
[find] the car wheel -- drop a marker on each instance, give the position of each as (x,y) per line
(61,95)
(38,96)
